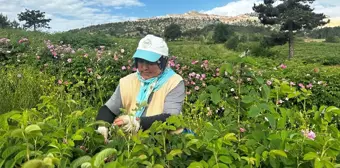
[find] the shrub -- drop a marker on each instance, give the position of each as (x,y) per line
(221,33)
(82,39)
(172,32)
(232,43)
(332,39)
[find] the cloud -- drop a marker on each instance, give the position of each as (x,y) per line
(328,7)
(71,14)
(234,8)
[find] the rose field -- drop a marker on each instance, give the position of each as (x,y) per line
(245,111)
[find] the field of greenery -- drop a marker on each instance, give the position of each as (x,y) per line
(245,110)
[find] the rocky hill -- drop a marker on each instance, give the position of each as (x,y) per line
(188,21)
(156,25)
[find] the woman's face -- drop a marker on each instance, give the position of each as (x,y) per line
(148,69)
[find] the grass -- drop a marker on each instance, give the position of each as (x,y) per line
(312,51)
(21,87)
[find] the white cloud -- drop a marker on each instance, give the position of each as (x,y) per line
(328,7)
(234,8)
(70,14)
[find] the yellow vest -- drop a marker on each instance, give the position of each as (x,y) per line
(129,89)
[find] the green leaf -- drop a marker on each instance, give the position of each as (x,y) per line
(229,137)
(235,156)
(248,99)
(2,162)
(265,155)
(271,120)
(196,165)
(34,164)
(318,163)
(137,148)
(285,88)
(212,88)
(225,159)
(216,97)
(310,156)
(158,151)
(158,166)
(17,133)
(254,111)
(32,128)
(278,152)
(9,151)
(266,92)
(136,139)
(220,165)
(173,153)
(331,108)
(99,158)
(264,106)
(258,159)
(250,160)
(86,165)
(258,135)
(226,68)
(259,80)
(79,161)
(328,164)
(77,137)
(191,142)
(22,154)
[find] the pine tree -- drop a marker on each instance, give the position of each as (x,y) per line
(291,16)
(34,18)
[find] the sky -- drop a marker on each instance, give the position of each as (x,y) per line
(72,14)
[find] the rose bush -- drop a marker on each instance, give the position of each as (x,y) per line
(242,113)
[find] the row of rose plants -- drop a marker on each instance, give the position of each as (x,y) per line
(72,65)
(239,120)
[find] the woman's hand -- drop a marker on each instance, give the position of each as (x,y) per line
(128,123)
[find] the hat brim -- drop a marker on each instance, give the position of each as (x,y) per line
(147,55)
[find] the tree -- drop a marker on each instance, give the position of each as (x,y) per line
(34,18)
(291,16)
(172,32)
(4,22)
(15,24)
(221,33)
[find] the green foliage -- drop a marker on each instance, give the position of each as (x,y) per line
(172,32)
(34,18)
(232,43)
(294,15)
(221,33)
(85,40)
(324,32)
(6,23)
(243,110)
(332,39)
(275,39)
(22,87)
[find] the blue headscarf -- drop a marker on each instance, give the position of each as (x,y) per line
(151,85)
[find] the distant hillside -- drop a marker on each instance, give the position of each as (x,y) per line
(156,25)
(188,22)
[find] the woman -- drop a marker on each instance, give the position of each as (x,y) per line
(154,83)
